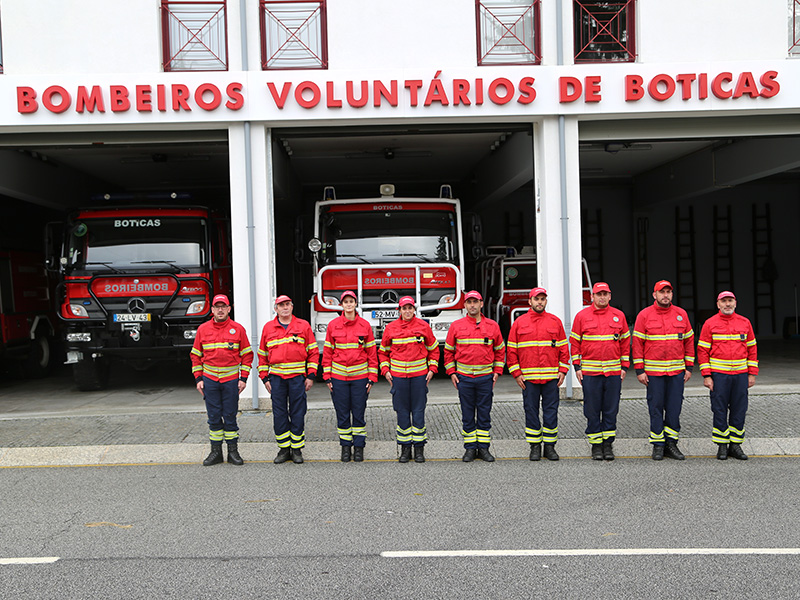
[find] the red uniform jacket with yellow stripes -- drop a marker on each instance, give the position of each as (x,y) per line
(537,347)
(474,349)
(408,349)
(663,341)
(221,351)
(350,352)
(287,352)
(727,345)
(600,341)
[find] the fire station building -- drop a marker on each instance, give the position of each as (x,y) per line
(655,140)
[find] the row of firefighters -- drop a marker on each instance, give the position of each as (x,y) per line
(538,354)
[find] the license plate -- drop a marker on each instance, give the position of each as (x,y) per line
(385,314)
(131,317)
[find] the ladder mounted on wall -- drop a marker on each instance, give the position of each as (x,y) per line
(642,227)
(723,249)
(592,242)
(764,269)
(684,255)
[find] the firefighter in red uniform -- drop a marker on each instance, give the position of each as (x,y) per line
(663,356)
(350,368)
(221,361)
(473,358)
(538,359)
(728,359)
(600,348)
(287,364)
(409,357)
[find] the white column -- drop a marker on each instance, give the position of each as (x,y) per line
(552,264)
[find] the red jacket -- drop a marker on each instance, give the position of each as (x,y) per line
(727,345)
(663,341)
(349,352)
(408,349)
(474,349)
(537,347)
(287,352)
(600,341)
(221,351)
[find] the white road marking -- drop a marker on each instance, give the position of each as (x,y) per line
(30,560)
(586,552)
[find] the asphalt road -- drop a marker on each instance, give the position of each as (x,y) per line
(323,530)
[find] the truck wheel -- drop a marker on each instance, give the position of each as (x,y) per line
(38,363)
(90,374)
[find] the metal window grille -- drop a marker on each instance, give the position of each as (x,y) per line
(294,34)
(604,31)
(508,32)
(794,27)
(195,36)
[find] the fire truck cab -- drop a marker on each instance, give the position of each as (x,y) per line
(386,248)
(136,283)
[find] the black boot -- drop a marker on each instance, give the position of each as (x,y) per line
(358,454)
(536,452)
(608,450)
(671,451)
(419,454)
(297,456)
(597,451)
(735,450)
(215,456)
(233,454)
(485,455)
(550,452)
(284,454)
(469,454)
(722,452)
(405,453)
(658,452)
(345,453)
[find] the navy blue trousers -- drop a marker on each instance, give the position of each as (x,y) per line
(409,398)
(600,406)
(729,405)
(350,402)
(475,395)
(535,433)
(222,404)
(664,402)
(289,408)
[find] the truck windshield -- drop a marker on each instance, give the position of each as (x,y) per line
(408,236)
(137,243)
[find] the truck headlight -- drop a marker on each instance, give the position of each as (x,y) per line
(78,311)
(196,308)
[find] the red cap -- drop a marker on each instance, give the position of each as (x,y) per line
(536,291)
(406,300)
(350,293)
(660,285)
(282,298)
(221,298)
(725,294)
(473,294)
(601,286)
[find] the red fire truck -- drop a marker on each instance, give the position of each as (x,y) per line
(27,322)
(136,283)
(386,248)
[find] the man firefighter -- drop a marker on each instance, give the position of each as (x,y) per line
(409,357)
(287,364)
(474,355)
(221,361)
(350,367)
(663,356)
(600,349)
(728,359)
(538,359)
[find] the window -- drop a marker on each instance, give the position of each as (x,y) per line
(195,36)
(293,34)
(508,32)
(794,27)
(604,31)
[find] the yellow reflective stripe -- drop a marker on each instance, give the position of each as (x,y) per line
(540,372)
(722,337)
(704,344)
(728,364)
(218,345)
(537,344)
(474,369)
(245,351)
(664,365)
(221,371)
(196,352)
(350,371)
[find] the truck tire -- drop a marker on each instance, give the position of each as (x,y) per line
(39,360)
(90,374)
